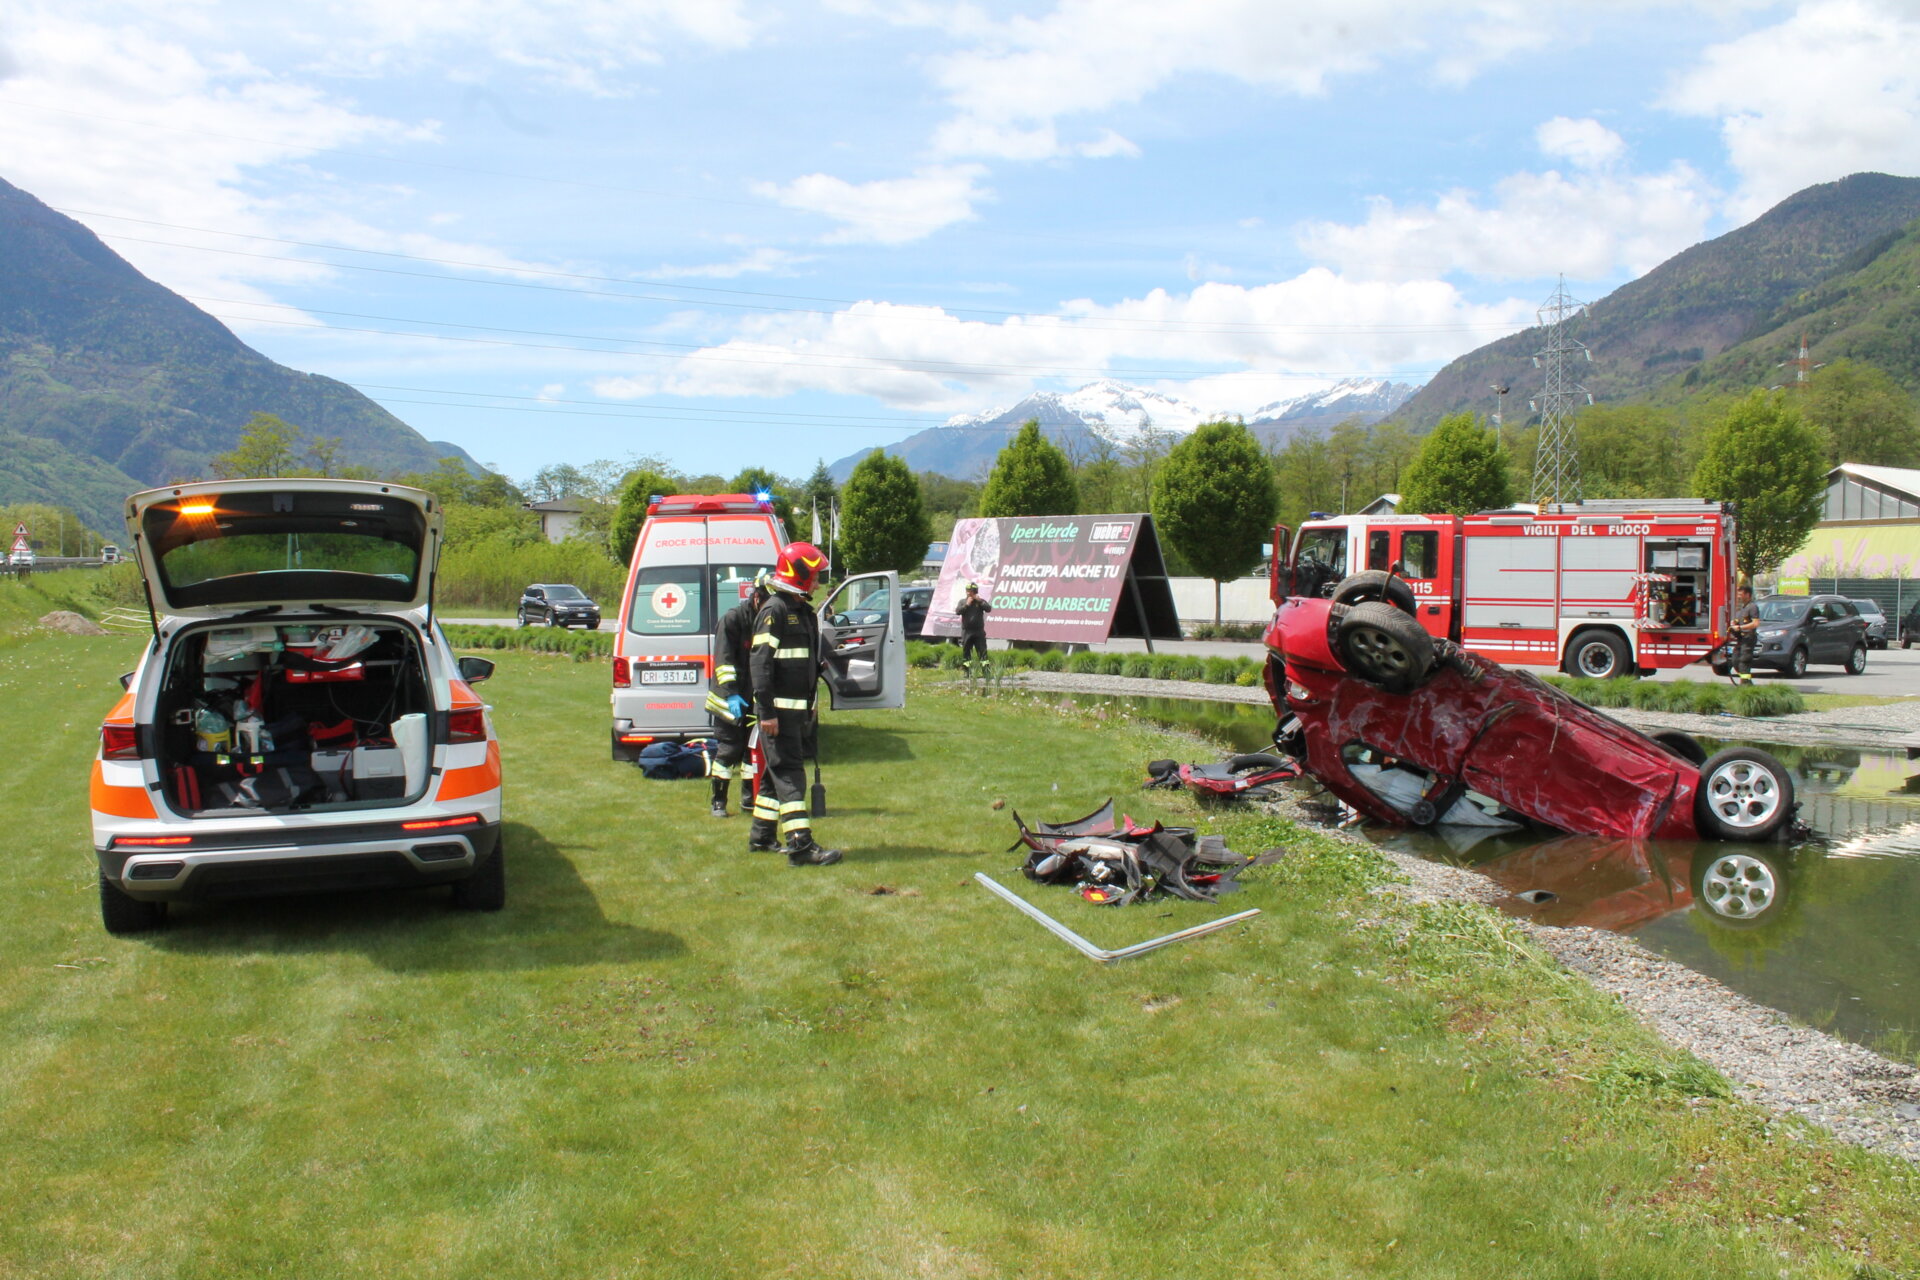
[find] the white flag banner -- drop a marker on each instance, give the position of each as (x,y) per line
(836,522)
(813,534)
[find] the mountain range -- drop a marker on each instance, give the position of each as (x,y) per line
(1114,416)
(111,383)
(1838,261)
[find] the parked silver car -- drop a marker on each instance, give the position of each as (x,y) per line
(1877,625)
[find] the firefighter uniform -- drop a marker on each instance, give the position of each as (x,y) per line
(785,666)
(732,678)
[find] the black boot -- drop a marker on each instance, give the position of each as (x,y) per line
(763,838)
(719,797)
(803,851)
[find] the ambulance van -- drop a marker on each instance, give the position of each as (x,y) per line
(695,558)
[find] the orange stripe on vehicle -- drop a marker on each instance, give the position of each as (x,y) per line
(122,712)
(457,783)
(119,802)
(464,697)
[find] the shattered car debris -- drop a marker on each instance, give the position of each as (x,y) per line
(1414,730)
(1251,776)
(1113,863)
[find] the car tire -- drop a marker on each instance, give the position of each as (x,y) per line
(1906,641)
(1857,661)
(553,619)
(1254,762)
(122,913)
(1740,888)
(1796,664)
(521,618)
(1598,655)
(486,888)
(1744,795)
(1384,646)
(1375,584)
(1684,745)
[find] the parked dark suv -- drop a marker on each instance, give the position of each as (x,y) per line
(1910,627)
(1798,630)
(558,605)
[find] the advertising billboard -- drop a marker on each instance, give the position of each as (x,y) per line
(1073,579)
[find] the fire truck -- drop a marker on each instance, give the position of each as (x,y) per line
(1603,588)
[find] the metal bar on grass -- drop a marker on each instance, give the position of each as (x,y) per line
(1100,954)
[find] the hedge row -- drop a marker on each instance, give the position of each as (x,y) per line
(1685,696)
(1138,666)
(581,646)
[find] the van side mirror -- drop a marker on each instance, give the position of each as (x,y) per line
(1277,567)
(474,670)
(126,680)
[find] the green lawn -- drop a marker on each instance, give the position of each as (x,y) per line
(670,1058)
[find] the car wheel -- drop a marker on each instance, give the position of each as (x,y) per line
(1797,664)
(1684,745)
(1744,794)
(1741,889)
(121,913)
(1906,641)
(486,888)
(521,618)
(1384,646)
(1375,584)
(1599,655)
(1857,661)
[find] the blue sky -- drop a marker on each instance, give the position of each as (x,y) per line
(727,233)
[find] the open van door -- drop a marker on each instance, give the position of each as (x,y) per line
(865,643)
(1278,578)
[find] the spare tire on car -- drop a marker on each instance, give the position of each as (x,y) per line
(1744,794)
(1384,646)
(1375,584)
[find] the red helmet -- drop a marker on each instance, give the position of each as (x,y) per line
(800,567)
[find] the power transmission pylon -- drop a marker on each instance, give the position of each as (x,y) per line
(1556,462)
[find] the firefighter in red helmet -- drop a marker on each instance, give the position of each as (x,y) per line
(785,662)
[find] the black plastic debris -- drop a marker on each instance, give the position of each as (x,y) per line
(1116,862)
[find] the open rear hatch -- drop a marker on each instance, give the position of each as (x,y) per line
(217,548)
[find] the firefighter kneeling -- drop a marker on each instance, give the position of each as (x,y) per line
(785,667)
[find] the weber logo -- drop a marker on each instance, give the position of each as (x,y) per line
(1112,531)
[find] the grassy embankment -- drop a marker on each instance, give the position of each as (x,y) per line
(670,1058)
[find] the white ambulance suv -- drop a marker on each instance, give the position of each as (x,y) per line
(695,558)
(298,721)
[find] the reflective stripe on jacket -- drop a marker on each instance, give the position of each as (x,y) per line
(786,655)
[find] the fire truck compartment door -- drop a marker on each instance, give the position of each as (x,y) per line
(1510,582)
(864,643)
(1596,578)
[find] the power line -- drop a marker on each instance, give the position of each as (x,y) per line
(1106,324)
(688,351)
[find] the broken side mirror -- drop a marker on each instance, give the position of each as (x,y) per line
(126,680)
(474,670)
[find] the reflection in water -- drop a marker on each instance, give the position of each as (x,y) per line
(1825,931)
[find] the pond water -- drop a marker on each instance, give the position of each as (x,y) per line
(1826,930)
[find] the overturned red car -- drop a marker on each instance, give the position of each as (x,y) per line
(1411,729)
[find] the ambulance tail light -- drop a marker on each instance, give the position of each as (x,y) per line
(468,725)
(119,742)
(622,674)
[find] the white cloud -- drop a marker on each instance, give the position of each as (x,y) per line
(761,261)
(1592,224)
(1585,144)
(1025,74)
(889,211)
(926,359)
(1833,90)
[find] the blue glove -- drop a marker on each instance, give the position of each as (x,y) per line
(737,705)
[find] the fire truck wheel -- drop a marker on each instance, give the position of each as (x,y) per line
(1384,646)
(1598,655)
(1375,584)
(1857,661)
(1744,794)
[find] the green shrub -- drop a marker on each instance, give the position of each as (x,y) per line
(1221,670)
(1084,663)
(1765,700)
(1113,664)
(1709,699)
(1052,660)
(1137,666)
